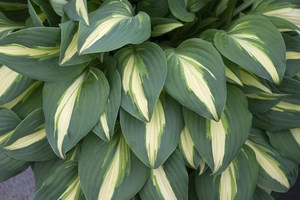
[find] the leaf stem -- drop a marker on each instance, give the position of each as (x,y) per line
(242,7)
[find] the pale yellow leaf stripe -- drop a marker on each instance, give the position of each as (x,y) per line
(116,170)
(232,76)
(269,164)
(162,183)
(103,121)
(82,10)
(188,146)
(72,191)
(265,96)
(221,7)
(5,136)
(289,14)
(196,82)
(283,106)
(202,166)
(7,78)
(5,28)
(218,139)
(257,53)
(102,29)
(164,28)
(228,187)
(132,84)
(154,131)
(71,50)
(250,79)
(296,134)
(37,52)
(292,55)
(62,117)
(27,140)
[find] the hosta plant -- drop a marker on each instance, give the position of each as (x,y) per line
(151,99)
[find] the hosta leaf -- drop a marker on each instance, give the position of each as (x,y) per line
(73,108)
(27,101)
(169,181)
(77,11)
(63,183)
(224,11)
(7,26)
(253,84)
(219,142)
(58,5)
(276,173)
(161,26)
(28,141)
(16,11)
(292,55)
(237,182)
(254,43)
(285,114)
(154,141)
(284,14)
(9,166)
(52,18)
(154,8)
(12,84)
(68,48)
(188,149)
(196,77)
(260,194)
(112,26)
(28,53)
(232,72)
(184,9)
(105,127)
(143,70)
(287,142)
(115,173)
(8,122)
(37,15)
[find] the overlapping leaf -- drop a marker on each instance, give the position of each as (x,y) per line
(276,173)
(77,11)
(106,125)
(162,26)
(255,44)
(154,141)
(8,122)
(28,141)
(112,26)
(292,55)
(238,181)
(115,173)
(28,53)
(143,70)
(7,25)
(169,181)
(154,8)
(219,142)
(196,77)
(73,108)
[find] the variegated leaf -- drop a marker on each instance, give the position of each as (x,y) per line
(73,108)
(154,8)
(37,15)
(154,141)
(112,26)
(188,149)
(143,70)
(196,77)
(276,173)
(255,44)
(232,72)
(77,11)
(115,173)
(58,5)
(12,84)
(161,26)
(68,48)
(106,125)
(286,113)
(224,11)
(286,142)
(261,194)
(28,141)
(219,142)
(37,58)
(7,26)
(62,184)
(237,182)
(169,181)
(284,14)
(184,9)
(292,55)
(15,11)
(8,122)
